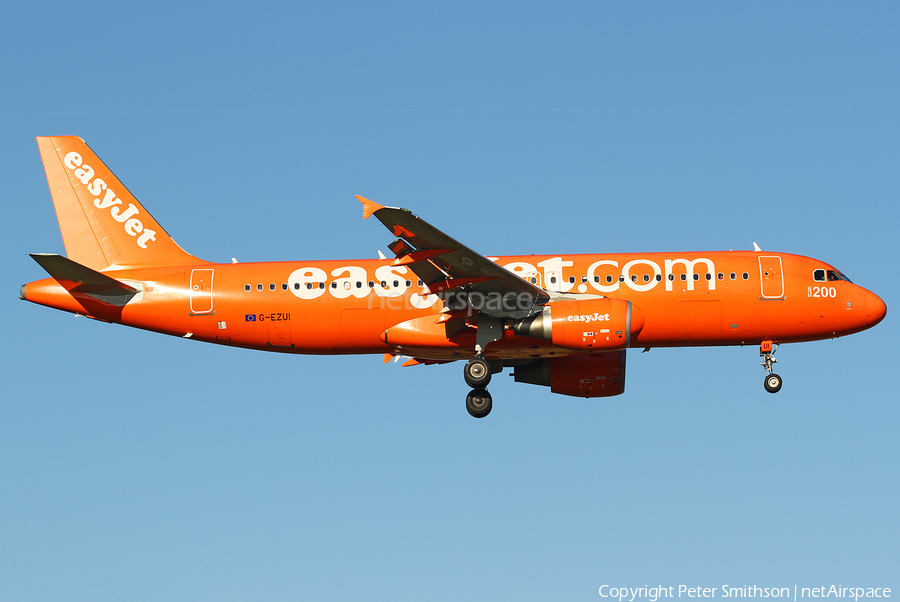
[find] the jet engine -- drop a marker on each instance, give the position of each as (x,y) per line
(595,324)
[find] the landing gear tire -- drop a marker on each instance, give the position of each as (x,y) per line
(772,383)
(478,403)
(477,373)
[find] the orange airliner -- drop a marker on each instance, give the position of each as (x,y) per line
(563,321)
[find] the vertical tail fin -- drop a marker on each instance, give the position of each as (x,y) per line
(102,223)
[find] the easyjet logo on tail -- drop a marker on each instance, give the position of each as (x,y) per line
(97,187)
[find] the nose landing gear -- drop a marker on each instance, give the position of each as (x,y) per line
(772,382)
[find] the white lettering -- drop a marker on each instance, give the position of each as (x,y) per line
(97,186)
(689,271)
(389,275)
(304,282)
(85,173)
(145,236)
(121,217)
(133,226)
(346,286)
(603,288)
(554,267)
(595,317)
(72,160)
(520,268)
(108,200)
(626,271)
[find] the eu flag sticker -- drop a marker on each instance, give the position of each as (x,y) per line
(250,318)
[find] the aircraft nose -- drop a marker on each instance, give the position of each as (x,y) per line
(875,309)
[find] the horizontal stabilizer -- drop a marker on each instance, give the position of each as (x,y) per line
(82,280)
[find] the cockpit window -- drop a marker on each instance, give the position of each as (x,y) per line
(834,276)
(819,275)
(844,276)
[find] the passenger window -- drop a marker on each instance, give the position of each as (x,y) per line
(421,283)
(721,276)
(646,277)
(583,279)
(334,284)
(296,286)
(309,286)
(359,284)
(597,279)
(409,283)
(247,288)
(609,279)
(683,277)
(321,285)
(659,277)
(571,279)
(733,276)
(284,286)
(552,279)
(272,286)
(259,287)
(396,283)
(708,276)
(633,278)
(621,278)
(745,276)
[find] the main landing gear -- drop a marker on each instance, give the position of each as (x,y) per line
(478,403)
(477,373)
(773,381)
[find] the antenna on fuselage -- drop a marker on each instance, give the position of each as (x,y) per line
(756,247)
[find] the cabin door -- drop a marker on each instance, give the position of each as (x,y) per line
(770,275)
(201,292)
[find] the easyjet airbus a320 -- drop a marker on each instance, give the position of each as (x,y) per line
(563,321)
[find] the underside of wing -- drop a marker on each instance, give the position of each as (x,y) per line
(462,277)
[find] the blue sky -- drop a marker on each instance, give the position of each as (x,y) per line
(135,466)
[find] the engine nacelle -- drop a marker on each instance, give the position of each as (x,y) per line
(598,324)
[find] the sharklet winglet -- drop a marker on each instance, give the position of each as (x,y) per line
(369,207)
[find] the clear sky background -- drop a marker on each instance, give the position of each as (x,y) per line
(135,466)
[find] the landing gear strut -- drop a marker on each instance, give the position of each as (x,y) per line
(772,382)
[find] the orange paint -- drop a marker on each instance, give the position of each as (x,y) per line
(526,312)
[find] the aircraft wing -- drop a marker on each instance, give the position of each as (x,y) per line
(454,271)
